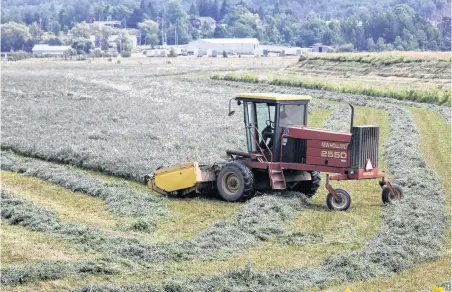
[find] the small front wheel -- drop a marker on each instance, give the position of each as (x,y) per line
(341,202)
(391,198)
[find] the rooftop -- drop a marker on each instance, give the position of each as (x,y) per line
(273,96)
(207,18)
(232,41)
(50,48)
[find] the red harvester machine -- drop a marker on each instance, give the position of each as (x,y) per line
(283,153)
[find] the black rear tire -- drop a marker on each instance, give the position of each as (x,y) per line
(309,187)
(235,181)
(342,203)
(389,198)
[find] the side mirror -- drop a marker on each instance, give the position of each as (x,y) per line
(231,112)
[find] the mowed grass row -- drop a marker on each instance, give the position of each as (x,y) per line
(276,252)
(266,255)
(21,246)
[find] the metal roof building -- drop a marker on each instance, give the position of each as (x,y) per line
(49,50)
(239,46)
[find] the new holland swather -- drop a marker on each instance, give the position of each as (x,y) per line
(283,154)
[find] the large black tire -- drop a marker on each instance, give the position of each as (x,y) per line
(309,187)
(235,181)
(389,198)
(342,204)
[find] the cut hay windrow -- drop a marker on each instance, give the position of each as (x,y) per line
(121,199)
(412,232)
(54,270)
(261,219)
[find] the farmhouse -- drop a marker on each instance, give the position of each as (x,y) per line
(239,46)
(49,50)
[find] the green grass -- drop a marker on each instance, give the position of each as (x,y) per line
(318,117)
(386,58)
(435,142)
(20,246)
(341,230)
(362,220)
(433,96)
(69,206)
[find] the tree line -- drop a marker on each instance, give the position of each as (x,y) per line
(399,28)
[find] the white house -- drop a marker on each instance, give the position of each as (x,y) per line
(110,23)
(238,46)
(49,50)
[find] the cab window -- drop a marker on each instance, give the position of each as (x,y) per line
(291,114)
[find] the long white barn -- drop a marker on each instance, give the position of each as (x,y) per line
(239,46)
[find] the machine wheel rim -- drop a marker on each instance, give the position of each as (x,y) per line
(393,197)
(231,183)
(340,201)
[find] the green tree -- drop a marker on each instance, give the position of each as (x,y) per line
(220,32)
(14,36)
(370,46)
(193,10)
(261,12)
(206,30)
(35,31)
(240,30)
(214,13)
(175,13)
(152,11)
(380,44)
(346,48)
(121,13)
(55,42)
(399,44)
(224,10)
(81,30)
(82,45)
(150,29)
(124,43)
(102,36)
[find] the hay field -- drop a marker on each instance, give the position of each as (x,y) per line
(78,137)
(413,76)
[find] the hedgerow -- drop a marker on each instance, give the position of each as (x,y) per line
(121,199)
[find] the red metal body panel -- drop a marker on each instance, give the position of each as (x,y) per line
(327,151)
(327,144)
(326,161)
(318,134)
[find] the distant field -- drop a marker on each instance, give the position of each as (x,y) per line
(412,76)
(78,137)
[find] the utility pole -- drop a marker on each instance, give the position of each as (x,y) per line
(163,40)
(175,35)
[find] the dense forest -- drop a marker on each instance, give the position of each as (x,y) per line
(361,25)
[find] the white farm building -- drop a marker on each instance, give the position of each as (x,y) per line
(238,46)
(49,50)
